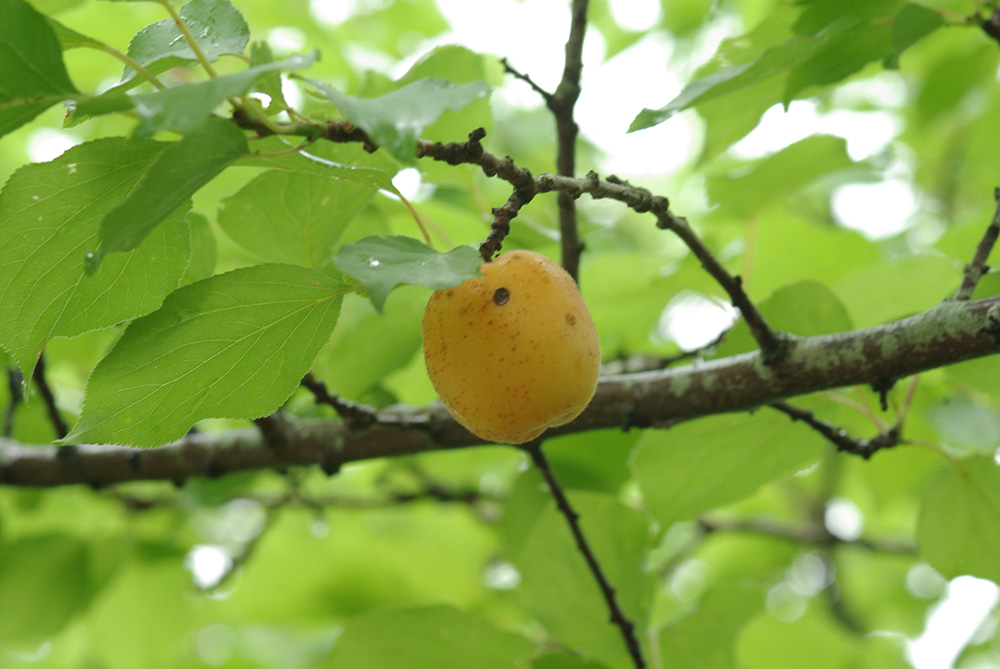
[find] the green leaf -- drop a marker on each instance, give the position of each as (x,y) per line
(217,25)
(912,24)
(963,424)
(184,108)
(292,217)
(560,590)
(564,661)
(794,244)
(840,57)
(954,77)
(49,7)
(204,249)
(732,117)
(32,74)
(52,214)
(707,637)
(597,460)
(906,285)
(395,120)
(980,374)
(152,591)
(71,39)
(457,65)
(805,308)
(43,585)
(814,640)
(382,263)
(230,346)
(174,176)
(704,464)
(270,82)
(346,364)
(781,174)
(819,14)
(957,529)
(371,169)
(430,637)
(776,60)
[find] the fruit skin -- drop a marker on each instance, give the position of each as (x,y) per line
(514,352)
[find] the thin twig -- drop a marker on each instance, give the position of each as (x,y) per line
(773,345)
(382,499)
(647,363)
(501,222)
(42,385)
(807,534)
(838,436)
(14,381)
(975,270)
(618,618)
(511,70)
(356,416)
(991,24)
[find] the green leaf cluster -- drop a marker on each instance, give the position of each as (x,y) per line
(105,233)
(202,246)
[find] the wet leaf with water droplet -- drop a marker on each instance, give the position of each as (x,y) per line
(217,25)
(51,217)
(382,263)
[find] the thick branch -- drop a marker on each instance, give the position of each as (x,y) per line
(948,333)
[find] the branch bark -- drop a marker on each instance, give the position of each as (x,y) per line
(561,105)
(950,332)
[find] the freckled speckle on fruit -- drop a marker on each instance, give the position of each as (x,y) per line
(510,373)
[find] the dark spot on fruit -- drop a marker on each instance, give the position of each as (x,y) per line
(500,296)
(571,319)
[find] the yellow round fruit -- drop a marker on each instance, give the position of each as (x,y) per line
(513,352)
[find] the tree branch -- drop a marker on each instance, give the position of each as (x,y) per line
(950,332)
(562,105)
(42,385)
(618,618)
(14,381)
(355,416)
(838,436)
(526,78)
(974,270)
(807,534)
